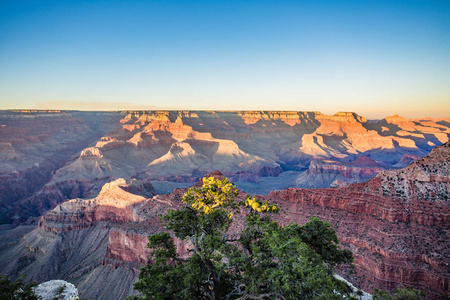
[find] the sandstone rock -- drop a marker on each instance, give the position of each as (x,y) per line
(397,224)
(94,243)
(91,153)
(119,201)
(163,144)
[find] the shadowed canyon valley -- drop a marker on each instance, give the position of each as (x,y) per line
(81,191)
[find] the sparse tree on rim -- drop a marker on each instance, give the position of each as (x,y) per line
(265,261)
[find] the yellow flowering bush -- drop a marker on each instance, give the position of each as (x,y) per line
(214,193)
(221,194)
(258,206)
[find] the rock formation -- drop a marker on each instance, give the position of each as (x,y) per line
(184,145)
(323,172)
(57,289)
(98,244)
(34,145)
(48,157)
(396,225)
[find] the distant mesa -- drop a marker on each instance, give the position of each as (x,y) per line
(364,161)
(395,119)
(77,152)
(349,117)
(92,152)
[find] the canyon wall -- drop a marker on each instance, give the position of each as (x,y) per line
(48,157)
(183,146)
(90,243)
(397,225)
(66,166)
(33,146)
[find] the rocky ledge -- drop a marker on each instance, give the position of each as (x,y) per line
(57,289)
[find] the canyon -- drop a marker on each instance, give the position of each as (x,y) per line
(396,225)
(48,157)
(79,201)
(34,145)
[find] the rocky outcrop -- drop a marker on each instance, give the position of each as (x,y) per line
(426,179)
(326,173)
(119,201)
(397,224)
(56,289)
(94,243)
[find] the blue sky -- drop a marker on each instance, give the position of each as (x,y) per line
(373,57)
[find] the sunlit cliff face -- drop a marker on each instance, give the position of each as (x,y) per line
(181,143)
(245,145)
(72,154)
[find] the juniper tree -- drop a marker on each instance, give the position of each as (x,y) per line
(264,261)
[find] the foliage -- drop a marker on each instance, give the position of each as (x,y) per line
(16,290)
(400,294)
(263,261)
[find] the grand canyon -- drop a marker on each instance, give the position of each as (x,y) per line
(81,191)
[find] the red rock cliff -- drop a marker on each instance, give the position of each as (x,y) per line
(397,224)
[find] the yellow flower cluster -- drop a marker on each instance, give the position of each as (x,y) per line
(207,209)
(214,193)
(256,205)
(221,194)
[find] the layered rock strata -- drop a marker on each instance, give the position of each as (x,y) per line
(93,243)
(48,157)
(183,146)
(396,225)
(34,145)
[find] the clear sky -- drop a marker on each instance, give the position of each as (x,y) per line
(376,58)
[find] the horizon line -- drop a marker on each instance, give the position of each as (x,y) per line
(31,110)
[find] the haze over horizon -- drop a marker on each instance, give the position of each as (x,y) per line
(375,58)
